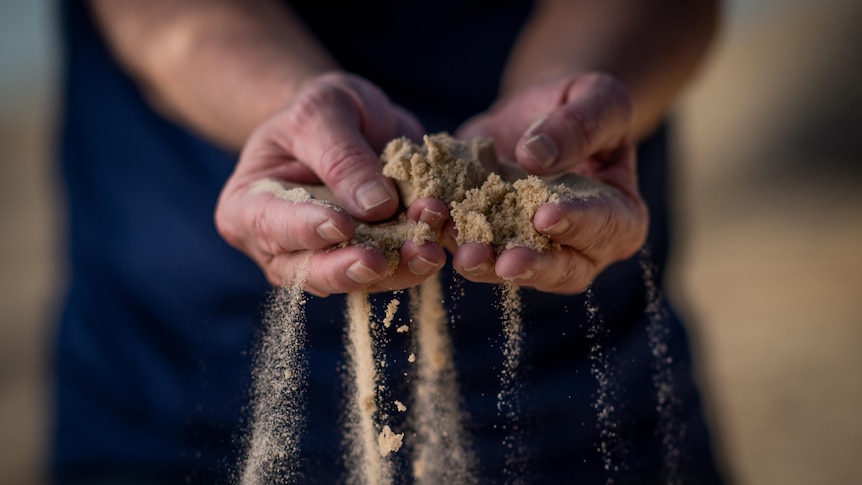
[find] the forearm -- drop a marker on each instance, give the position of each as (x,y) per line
(219,67)
(652,47)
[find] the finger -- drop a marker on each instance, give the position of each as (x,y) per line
(343,270)
(558,271)
(507,121)
(408,125)
(595,117)
(475,127)
(476,262)
(488,125)
(495,126)
(264,221)
(417,263)
(379,119)
(449,236)
(431,211)
(603,229)
(281,226)
(326,129)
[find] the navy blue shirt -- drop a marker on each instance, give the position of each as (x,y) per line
(157,336)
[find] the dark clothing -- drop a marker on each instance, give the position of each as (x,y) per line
(157,334)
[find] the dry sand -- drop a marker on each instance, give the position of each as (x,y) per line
(442,452)
(278,418)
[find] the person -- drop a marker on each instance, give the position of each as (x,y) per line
(156,341)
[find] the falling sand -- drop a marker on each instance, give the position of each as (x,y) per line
(370,444)
(670,428)
(486,207)
(442,450)
(279,384)
(509,398)
(607,400)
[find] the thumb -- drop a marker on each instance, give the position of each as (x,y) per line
(594,117)
(324,130)
(476,126)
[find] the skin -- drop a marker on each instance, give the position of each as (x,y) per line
(585,81)
(593,233)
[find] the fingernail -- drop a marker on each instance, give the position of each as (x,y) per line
(479,269)
(428,216)
(361,274)
(372,194)
(526,275)
(328,231)
(559,228)
(542,150)
(421,266)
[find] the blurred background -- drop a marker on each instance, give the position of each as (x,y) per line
(768,267)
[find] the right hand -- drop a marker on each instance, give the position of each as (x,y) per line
(579,124)
(330,133)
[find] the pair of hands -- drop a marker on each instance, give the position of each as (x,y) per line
(332,133)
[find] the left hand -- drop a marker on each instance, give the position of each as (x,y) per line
(328,135)
(575,123)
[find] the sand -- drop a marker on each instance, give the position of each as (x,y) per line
(388,237)
(369,443)
(281,190)
(490,202)
(671,429)
(391,308)
(607,401)
(279,384)
(509,399)
(442,451)
(443,167)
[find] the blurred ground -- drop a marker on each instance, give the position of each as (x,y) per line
(29,217)
(769,260)
(770,257)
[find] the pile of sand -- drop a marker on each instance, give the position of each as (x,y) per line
(467,176)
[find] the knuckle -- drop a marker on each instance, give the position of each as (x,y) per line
(578,126)
(266,234)
(605,88)
(305,108)
(616,92)
(340,162)
(304,111)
